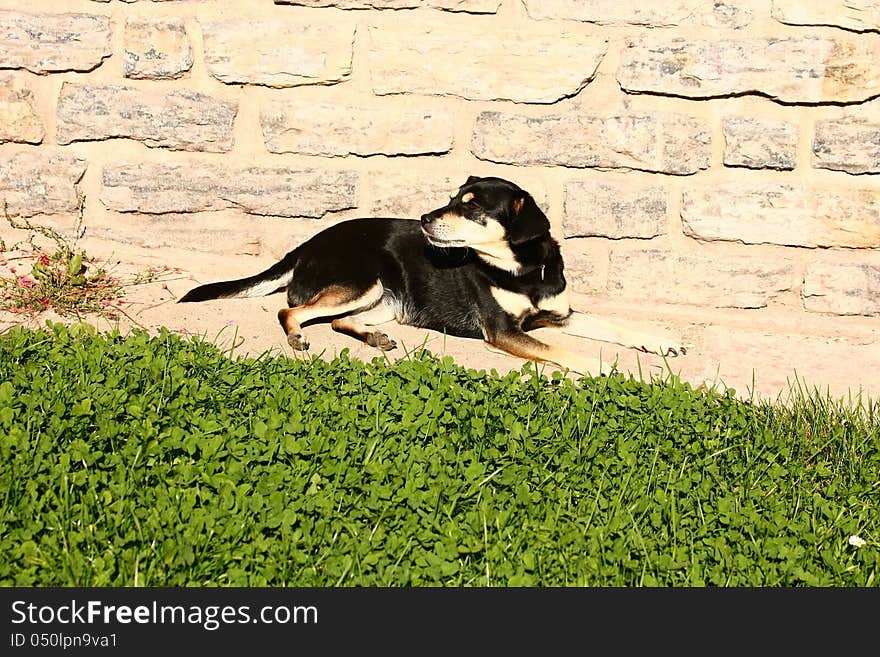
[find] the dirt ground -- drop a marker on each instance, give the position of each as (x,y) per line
(731,350)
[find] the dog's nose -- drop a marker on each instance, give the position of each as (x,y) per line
(427,219)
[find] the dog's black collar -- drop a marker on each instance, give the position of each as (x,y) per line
(535,249)
(520,272)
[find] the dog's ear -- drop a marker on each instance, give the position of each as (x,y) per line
(527,222)
(471,180)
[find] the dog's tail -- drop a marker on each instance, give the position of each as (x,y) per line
(274,279)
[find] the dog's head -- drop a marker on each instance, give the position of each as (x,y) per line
(486,211)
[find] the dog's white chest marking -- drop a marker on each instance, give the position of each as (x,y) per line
(520,305)
(556,304)
(513,302)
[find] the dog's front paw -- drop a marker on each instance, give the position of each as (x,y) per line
(298,342)
(665,347)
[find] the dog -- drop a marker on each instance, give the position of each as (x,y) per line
(483,266)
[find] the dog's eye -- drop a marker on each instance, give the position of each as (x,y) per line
(472,205)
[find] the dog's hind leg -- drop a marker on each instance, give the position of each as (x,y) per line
(358,325)
(332,300)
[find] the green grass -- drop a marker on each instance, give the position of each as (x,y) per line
(160,461)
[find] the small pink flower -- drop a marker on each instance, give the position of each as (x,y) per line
(24,281)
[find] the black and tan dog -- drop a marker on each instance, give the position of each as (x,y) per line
(483,266)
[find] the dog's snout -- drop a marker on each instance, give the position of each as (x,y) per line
(428,219)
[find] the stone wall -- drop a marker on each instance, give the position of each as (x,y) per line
(718,160)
